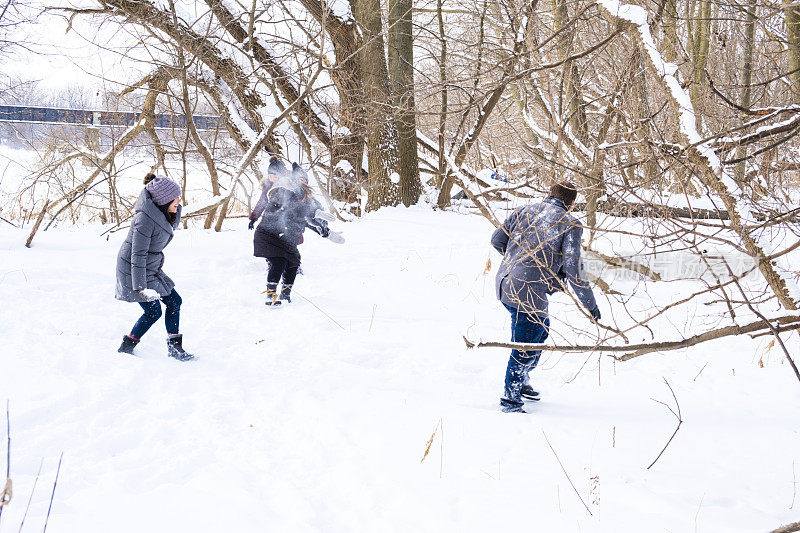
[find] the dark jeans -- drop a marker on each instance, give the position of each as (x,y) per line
(282,267)
(152,312)
(524,328)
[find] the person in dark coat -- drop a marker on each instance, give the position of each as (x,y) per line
(541,247)
(286,215)
(275,171)
(139,275)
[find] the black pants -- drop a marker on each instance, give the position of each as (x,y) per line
(282,267)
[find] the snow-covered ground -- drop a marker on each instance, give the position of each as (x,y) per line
(315,417)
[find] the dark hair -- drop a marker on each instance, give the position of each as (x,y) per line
(307,192)
(149,177)
(564,191)
(165,209)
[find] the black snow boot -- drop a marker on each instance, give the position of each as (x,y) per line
(286,293)
(175,349)
(511,406)
(528,393)
(128,344)
(272,294)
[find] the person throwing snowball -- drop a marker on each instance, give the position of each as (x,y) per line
(286,213)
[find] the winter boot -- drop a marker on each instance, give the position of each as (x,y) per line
(528,393)
(175,348)
(511,406)
(128,344)
(272,294)
(286,293)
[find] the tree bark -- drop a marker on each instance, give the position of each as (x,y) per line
(381,135)
(401,68)
(443,92)
(747,75)
(700,40)
(792,21)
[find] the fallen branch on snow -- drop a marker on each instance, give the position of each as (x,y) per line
(788,323)
(788,528)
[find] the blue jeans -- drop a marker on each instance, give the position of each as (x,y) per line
(524,328)
(152,312)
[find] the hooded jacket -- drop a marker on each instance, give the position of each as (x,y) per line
(141,256)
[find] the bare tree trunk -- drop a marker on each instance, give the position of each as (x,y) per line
(700,40)
(792,21)
(575,109)
(401,68)
(747,75)
(381,135)
(443,90)
(36,225)
(671,30)
(113,207)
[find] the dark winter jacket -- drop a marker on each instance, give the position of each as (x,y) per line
(285,217)
(537,242)
(141,256)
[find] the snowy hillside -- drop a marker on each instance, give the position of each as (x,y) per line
(315,417)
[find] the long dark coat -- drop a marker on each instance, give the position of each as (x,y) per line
(141,256)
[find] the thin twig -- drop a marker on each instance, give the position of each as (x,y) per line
(8,222)
(565,473)
(6,494)
(701,371)
(320,310)
(374,308)
(430,441)
(3,14)
(441,448)
(55,483)
(677,415)
(27,507)
(8,447)
(697,514)
(772,328)
(78,196)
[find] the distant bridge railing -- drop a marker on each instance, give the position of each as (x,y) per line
(87,117)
